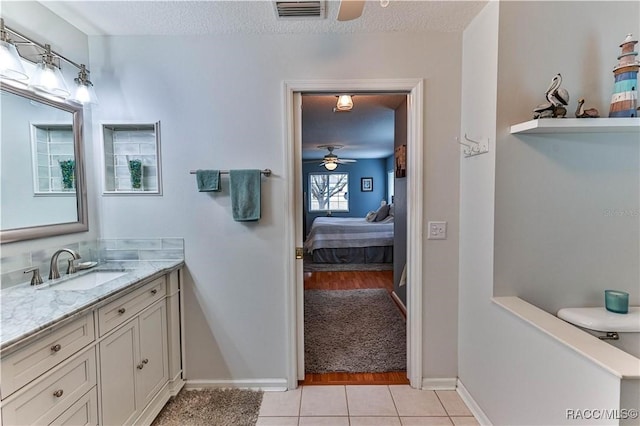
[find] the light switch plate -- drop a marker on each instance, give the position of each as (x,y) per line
(437,230)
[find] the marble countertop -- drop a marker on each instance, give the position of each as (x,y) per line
(27,310)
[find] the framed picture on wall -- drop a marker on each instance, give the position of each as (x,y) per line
(401,161)
(366,184)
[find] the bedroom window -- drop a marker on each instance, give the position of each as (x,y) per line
(328,192)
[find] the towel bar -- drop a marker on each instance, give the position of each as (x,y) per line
(266,172)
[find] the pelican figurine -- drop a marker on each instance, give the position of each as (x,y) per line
(557,96)
(581,112)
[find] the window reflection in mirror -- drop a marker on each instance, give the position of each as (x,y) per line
(42,189)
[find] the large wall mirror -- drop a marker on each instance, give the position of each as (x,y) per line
(42,189)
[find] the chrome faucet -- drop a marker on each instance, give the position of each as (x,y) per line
(53,269)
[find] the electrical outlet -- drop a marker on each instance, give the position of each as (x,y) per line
(437,230)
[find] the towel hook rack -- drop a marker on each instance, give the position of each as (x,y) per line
(474,148)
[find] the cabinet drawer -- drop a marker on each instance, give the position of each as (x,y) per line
(83,412)
(48,398)
(119,311)
(24,365)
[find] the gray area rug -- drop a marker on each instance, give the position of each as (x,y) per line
(355,331)
(211,407)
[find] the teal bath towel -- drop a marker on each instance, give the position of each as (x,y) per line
(245,194)
(208,180)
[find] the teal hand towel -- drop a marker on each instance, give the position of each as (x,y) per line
(208,180)
(245,194)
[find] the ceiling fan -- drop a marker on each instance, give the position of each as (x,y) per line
(330,161)
(350,9)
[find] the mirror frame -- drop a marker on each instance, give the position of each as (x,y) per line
(82,224)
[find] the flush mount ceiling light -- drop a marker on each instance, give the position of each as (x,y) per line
(10,65)
(47,76)
(345,103)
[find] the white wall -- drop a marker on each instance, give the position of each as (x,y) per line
(219,99)
(559,242)
(516,374)
(39,23)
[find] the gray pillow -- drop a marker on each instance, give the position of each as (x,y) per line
(382,213)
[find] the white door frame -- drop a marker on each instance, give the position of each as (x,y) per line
(293,209)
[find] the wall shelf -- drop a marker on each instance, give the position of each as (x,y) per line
(578,125)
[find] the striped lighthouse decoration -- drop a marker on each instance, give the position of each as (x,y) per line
(624,101)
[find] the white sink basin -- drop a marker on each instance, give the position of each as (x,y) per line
(87,281)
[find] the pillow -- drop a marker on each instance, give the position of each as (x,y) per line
(391,210)
(382,213)
(371,216)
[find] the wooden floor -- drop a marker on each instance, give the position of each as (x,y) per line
(352,280)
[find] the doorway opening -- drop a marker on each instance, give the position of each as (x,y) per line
(354,238)
(409,169)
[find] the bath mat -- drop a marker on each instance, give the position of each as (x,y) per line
(355,331)
(219,407)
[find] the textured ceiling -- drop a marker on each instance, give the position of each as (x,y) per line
(365,132)
(178,17)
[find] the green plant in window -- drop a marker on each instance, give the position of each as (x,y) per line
(68,168)
(135,169)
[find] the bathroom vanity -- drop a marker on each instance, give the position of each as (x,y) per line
(100,353)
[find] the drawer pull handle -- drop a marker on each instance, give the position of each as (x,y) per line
(56,347)
(140,366)
(154,291)
(121,311)
(58,393)
(145,361)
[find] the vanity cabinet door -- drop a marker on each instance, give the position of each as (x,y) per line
(152,372)
(118,361)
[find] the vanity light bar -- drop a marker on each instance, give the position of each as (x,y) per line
(84,91)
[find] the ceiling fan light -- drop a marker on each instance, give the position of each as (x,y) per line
(330,166)
(345,103)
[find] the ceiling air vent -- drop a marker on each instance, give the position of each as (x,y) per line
(311,9)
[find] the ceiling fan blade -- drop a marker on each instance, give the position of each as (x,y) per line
(346,160)
(350,9)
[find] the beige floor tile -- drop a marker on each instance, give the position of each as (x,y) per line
(324,421)
(374,421)
(277,421)
(281,404)
(465,421)
(452,402)
(414,402)
(425,421)
(370,401)
(323,401)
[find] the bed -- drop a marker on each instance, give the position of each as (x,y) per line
(350,240)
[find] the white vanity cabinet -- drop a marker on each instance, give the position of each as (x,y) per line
(116,364)
(134,365)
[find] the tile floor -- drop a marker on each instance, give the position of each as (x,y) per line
(363,405)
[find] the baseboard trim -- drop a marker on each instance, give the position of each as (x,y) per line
(439,384)
(475,409)
(255,384)
(401,305)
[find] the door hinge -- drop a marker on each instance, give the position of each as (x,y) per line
(299,253)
